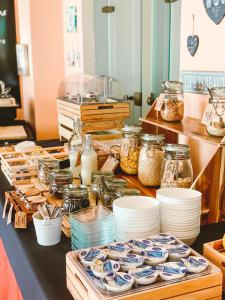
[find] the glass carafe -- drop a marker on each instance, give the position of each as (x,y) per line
(75,146)
(177,167)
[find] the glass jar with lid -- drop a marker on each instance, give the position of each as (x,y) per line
(98,184)
(129,150)
(122,192)
(45,166)
(151,159)
(215,114)
(116,183)
(177,167)
(58,181)
(172,105)
(75,198)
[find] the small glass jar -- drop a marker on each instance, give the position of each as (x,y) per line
(59,180)
(129,150)
(172,108)
(177,167)
(108,197)
(116,183)
(122,192)
(151,159)
(98,184)
(216,112)
(75,198)
(45,166)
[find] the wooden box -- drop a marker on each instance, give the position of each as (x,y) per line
(215,252)
(208,286)
(94,116)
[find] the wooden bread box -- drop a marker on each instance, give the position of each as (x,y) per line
(94,116)
(215,252)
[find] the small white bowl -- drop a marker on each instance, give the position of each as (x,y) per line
(155,255)
(102,268)
(118,282)
(195,264)
(179,251)
(135,203)
(171,271)
(88,256)
(144,275)
(162,239)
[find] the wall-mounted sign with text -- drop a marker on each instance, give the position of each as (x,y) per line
(197,81)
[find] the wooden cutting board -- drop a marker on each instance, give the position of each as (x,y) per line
(12,133)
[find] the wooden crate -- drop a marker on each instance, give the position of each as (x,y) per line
(94,116)
(213,252)
(208,286)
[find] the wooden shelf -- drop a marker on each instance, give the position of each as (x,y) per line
(190,127)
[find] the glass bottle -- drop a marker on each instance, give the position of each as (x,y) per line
(151,159)
(89,161)
(75,147)
(129,150)
(75,198)
(172,108)
(177,167)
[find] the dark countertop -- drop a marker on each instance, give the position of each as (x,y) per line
(40,271)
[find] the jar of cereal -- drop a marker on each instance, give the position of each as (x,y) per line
(172,105)
(151,159)
(177,167)
(129,151)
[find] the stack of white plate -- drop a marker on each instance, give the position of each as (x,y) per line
(135,217)
(180,213)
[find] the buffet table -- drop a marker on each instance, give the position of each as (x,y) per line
(40,271)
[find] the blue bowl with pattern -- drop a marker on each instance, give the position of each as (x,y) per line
(130,261)
(139,245)
(118,282)
(195,264)
(179,251)
(155,255)
(171,270)
(116,250)
(102,268)
(88,256)
(162,239)
(144,275)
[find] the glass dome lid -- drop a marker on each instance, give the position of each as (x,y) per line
(91,89)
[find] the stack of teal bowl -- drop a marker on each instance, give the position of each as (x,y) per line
(91,227)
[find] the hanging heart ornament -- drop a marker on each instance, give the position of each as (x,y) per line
(192,44)
(215,10)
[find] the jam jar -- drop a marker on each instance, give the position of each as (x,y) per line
(172,106)
(215,115)
(58,181)
(45,166)
(177,167)
(129,149)
(75,198)
(151,159)
(98,184)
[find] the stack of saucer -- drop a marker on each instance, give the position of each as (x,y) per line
(135,217)
(180,213)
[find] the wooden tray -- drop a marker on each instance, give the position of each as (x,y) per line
(207,286)
(213,252)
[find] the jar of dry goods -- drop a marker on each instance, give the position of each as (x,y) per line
(215,112)
(75,198)
(151,159)
(177,167)
(45,166)
(129,151)
(98,185)
(58,182)
(172,105)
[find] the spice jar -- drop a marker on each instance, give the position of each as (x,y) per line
(177,167)
(98,184)
(129,151)
(215,112)
(75,198)
(45,166)
(58,181)
(172,105)
(151,159)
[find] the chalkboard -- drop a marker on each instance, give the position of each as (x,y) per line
(8,64)
(215,10)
